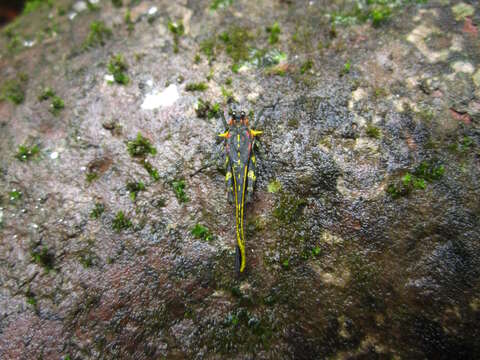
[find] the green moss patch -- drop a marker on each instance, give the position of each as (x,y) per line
(220,4)
(201,232)
(97,211)
(140,147)
(43,257)
(117,67)
(373,132)
(200,86)
(121,222)
(98,35)
(26,153)
(207,110)
(14,90)
(152,171)
(178,187)
(425,172)
(134,188)
(177,29)
(274,33)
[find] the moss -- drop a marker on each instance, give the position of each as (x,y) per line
(179,190)
(128,21)
(429,171)
(227,95)
(346,68)
(117,3)
(26,153)
(34,5)
(140,147)
(14,195)
(293,123)
(228,81)
(56,105)
(373,131)
(274,186)
(236,40)
(46,94)
(134,188)
(207,110)
(117,67)
(306,66)
(274,32)
(201,86)
(97,211)
(208,47)
(288,208)
(197,59)
(43,257)
(98,35)
(177,29)
(13,90)
(121,222)
(201,232)
(220,4)
(91,176)
(379,15)
(425,171)
(151,170)
(31,299)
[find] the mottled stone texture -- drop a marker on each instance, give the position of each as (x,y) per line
(363,238)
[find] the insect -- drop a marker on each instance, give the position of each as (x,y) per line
(240,162)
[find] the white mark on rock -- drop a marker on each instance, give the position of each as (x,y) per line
(109,78)
(72,15)
(153,10)
(150,83)
(54,155)
(29,43)
(80,6)
(166,98)
(462,66)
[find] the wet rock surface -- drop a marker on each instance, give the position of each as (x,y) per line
(363,237)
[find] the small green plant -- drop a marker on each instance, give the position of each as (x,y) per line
(373,132)
(134,188)
(274,32)
(43,257)
(179,190)
(197,59)
(128,21)
(121,222)
(274,186)
(201,86)
(207,47)
(346,68)
(91,176)
(379,15)
(220,4)
(201,232)
(316,251)
(26,152)
(33,5)
(285,264)
(117,67)
(14,195)
(97,211)
(177,29)
(140,147)
(151,170)
(98,35)
(117,3)
(236,41)
(56,105)
(306,66)
(13,91)
(46,94)
(207,110)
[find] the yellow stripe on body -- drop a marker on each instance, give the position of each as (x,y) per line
(242,249)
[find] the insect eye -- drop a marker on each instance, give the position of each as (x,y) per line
(234,113)
(242,114)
